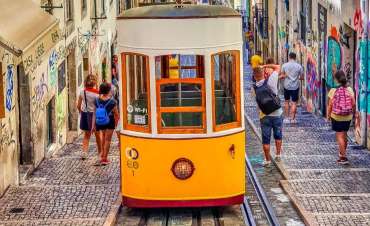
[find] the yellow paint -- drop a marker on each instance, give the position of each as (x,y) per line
(217,174)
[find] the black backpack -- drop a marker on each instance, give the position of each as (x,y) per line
(266,99)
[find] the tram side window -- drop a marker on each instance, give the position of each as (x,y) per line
(226,90)
(180,93)
(137,90)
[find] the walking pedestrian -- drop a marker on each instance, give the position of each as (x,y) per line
(271,119)
(270,67)
(106,118)
(115,95)
(86,108)
(292,73)
(340,112)
(256,60)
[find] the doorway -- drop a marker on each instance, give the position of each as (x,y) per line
(348,42)
(26,155)
(72,92)
(50,124)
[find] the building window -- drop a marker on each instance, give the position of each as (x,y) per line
(69,10)
(94,9)
(226,90)
(303,20)
(103,8)
(309,15)
(83,8)
(136,90)
(180,89)
(2,101)
(118,7)
(128,4)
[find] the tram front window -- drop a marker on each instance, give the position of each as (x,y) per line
(226,93)
(136,107)
(180,91)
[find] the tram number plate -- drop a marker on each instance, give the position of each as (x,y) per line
(132,164)
(139,119)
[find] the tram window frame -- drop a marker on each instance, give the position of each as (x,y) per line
(236,78)
(199,80)
(136,128)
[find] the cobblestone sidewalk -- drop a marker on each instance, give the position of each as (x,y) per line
(326,193)
(64,190)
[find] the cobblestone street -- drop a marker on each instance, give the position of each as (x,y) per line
(325,193)
(64,190)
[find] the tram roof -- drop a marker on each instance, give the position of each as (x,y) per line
(173,12)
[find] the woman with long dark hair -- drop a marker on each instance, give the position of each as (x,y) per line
(340,112)
(106,119)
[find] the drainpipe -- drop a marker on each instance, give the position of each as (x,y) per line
(277,29)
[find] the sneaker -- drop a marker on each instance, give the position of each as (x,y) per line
(343,161)
(286,120)
(83,155)
(104,162)
(278,158)
(266,163)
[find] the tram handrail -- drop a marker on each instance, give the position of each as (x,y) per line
(266,205)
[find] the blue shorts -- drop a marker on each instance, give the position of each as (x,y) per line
(274,124)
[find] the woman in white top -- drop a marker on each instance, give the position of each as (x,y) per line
(86,107)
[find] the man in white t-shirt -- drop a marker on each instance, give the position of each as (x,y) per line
(273,122)
(292,73)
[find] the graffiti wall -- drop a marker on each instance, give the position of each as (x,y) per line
(335,40)
(8,127)
(40,95)
(47,82)
(313,84)
(361,77)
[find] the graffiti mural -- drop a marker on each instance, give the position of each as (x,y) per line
(7,136)
(40,90)
(313,85)
(7,58)
(61,113)
(360,89)
(344,37)
(52,69)
(334,56)
(9,87)
(358,22)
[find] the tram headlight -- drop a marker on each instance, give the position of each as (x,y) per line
(183,168)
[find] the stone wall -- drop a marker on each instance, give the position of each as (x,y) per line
(8,125)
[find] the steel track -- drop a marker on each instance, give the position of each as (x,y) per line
(262,197)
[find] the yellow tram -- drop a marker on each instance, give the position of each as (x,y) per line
(182,136)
